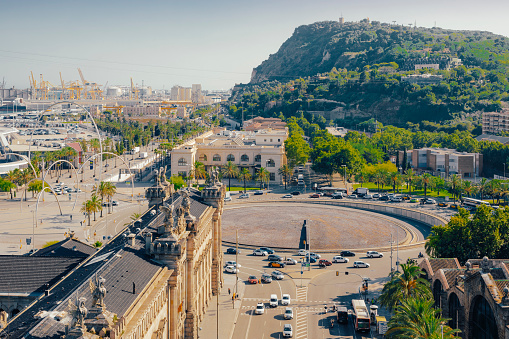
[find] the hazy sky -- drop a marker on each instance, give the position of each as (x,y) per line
(215,43)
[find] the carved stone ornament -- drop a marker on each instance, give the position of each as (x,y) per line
(168,217)
(78,311)
(98,290)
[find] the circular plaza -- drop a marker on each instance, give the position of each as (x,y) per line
(279,224)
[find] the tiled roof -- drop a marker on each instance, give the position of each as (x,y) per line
(25,274)
(451,274)
(497,273)
(501,284)
(66,248)
(439,263)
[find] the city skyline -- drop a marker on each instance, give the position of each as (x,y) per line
(162,44)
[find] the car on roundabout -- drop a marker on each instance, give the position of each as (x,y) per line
(266,278)
(374,254)
(230,269)
(360,264)
(315,255)
(232,263)
(276,275)
(303,251)
(252,279)
(288,313)
(314,195)
(260,308)
(325,262)
(259,252)
(290,261)
(244,196)
(287,331)
(339,259)
(231,250)
(287,196)
(347,254)
(277,264)
(312,260)
(274,257)
(267,249)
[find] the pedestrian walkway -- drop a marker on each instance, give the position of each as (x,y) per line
(302,293)
(301,320)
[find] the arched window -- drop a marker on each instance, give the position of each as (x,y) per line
(182,162)
(484,325)
(244,157)
(258,158)
(230,157)
(454,310)
(203,157)
(271,163)
(216,157)
(437,293)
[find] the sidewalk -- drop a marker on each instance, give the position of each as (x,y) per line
(227,314)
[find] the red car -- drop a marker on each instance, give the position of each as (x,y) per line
(252,279)
(325,262)
(314,196)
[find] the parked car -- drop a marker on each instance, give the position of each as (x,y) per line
(325,262)
(396,199)
(267,249)
(252,279)
(429,201)
(260,252)
(376,196)
(384,198)
(232,263)
(454,206)
(359,264)
(303,251)
(230,269)
(260,308)
(296,193)
(244,196)
(231,250)
(266,278)
(368,197)
(315,255)
(352,196)
(287,331)
(347,254)
(226,199)
(258,193)
(314,196)
(374,254)
(413,200)
(442,204)
(339,259)
(285,300)
(287,196)
(277,275)
(277,264)
(288,313)
(274,257)
(406,197)
(291,261)
(337,196)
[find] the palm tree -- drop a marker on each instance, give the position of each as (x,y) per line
(24,177)
(105,190)
(230,171)
(361,177)
(417,318)
(483,187)
(286,171)
(403,285)
(455,184)
(425,181)
(262,176)
(245,175)
(87,208)
(96,204)
(409,177)
(198,170)
(13,177)
(378,178)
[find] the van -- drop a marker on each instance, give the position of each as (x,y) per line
(342,315)
(273,300)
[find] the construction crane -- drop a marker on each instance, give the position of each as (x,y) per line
(133,94)
(63,95)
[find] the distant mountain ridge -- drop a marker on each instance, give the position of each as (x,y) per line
(321,46)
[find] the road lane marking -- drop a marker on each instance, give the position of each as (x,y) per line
(249,324)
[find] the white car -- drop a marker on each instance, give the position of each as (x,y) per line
(287,331)
(303,251)
(285,300)
(430,201)
(260,309)
(277,275)
(339,259)
(230,269)
(244,196)
(367,196)
(360,264)
(396,199)
(260,252)
(290,261)
(226,199)
(374,254)
(232,263)
(287,196)
(288,313)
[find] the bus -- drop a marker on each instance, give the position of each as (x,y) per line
(361,316)
(473,203)
(300,177)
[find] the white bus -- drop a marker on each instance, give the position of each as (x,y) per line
(469,202)
(361,315)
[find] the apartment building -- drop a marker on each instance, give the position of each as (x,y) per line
(444,161)
(495,122)
(246,149)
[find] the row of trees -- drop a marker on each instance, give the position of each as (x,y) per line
(102,193)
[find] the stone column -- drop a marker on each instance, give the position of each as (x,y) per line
(191,323)
(173,303)
(216,250)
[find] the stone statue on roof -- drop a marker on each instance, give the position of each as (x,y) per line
(168,217)
(78,311)
(98,290)
(213,177)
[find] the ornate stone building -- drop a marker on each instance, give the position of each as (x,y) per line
(475,296)
(153,283)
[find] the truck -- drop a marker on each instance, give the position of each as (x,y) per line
(362,191)
(143,155)
(135,150)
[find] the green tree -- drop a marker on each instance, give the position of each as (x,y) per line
(230,170)
(35,187)
(262,176)
(88,209)
(297,150)
(177,181)
(285,171)
(25,176)
(426,180)
(198,171)
(96,204)
(245,175)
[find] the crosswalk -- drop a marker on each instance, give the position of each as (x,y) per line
(318,310)
(302,293)
(301,327)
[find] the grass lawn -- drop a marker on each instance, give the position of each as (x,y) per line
(237,189)
(403,190)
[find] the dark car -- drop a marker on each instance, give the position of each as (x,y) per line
(267,249)
(258,193)
(342,315)
(314,196)
(296,193)
(347,254)
(384,198)
(273,257)
(337,196)
(311,260)
(325,262)
(231,250)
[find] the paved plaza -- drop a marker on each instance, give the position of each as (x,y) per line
(278,224)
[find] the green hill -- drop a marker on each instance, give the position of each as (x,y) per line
(321,46)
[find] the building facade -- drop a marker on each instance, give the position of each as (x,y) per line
(245,149)
(495,122)
(475,296)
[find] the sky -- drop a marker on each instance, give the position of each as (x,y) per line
(216,43)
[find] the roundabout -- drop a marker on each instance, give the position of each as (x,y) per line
(278,224)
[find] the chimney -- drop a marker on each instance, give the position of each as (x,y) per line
(132,239)
(148,241)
